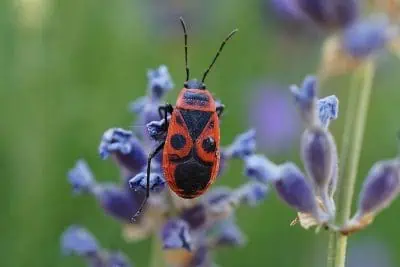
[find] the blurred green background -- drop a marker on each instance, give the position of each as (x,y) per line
(68,70)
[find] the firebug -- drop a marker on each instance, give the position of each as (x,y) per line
(191,149)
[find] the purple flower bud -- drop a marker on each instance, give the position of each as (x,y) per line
(126,149)
(295,190)
(117,259)
(306,99)
(243,145)
(138,105)
(328,108)
(229,234)
(139,182)
(195,216)
(156,130)
(77,240)
(175,235)
(160,82)
(330,14)
(251,193)
(118,202)
(217,195)
(366,37)
(381,187)
(318,153)
(81,177)
(259,168)
(287,9)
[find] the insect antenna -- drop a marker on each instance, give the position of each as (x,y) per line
(217,55)
(186,47)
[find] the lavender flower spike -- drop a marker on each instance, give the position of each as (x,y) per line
(306,99)
(328,109)
(175,235)
(81,177)
(261,169)
(243,145)
(295,190)
(160,82)
(139,182)
(77,240)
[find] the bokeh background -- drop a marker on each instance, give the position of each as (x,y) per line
(68,70)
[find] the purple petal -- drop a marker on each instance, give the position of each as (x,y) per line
(318,154)
(259,168)
(328,108)
(156,130)
(366,37)
(195,216)
(229,234)
(77,240)
(252,193)
(295,190)
(118,202)
(160,82)
(243,145)
(331,14)
(139,182)
(81,177)
(175,235)
(125,146)
(381,186)
(118,259)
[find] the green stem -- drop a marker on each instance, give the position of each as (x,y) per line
(353,134)
(157,255)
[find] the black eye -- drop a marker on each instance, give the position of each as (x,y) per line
(185,84)
(209,144)
(178,141)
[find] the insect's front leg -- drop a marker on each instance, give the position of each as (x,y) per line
(158,129)
(220,110)
(163,111)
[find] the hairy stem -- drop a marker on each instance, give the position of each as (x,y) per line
(353,134)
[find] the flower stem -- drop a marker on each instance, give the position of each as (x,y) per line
(157,255)
(353,134)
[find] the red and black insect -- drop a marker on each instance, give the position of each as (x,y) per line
(191,148)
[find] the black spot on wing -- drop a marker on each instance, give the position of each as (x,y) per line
(195,121)
(178,141)
(209,145)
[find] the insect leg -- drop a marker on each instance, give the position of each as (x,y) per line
(164,111)
(149,159)
(220,110)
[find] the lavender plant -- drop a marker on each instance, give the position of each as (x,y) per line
(186,232)
(323,197)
